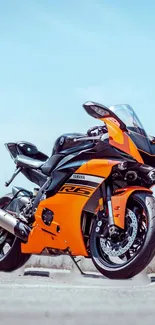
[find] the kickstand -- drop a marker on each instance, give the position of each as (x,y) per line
(75,262)
(86,275)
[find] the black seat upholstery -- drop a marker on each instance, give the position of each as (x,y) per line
(46,167)
(28,162)
(51,163)
(30,150)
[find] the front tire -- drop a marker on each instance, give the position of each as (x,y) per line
(142,250)
(13,259)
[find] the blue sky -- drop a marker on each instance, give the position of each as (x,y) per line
(55,55)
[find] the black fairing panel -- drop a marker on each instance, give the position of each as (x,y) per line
(153,148)
(146,149)
(148,159)
(62,173)
(58,179)
(63,146)
(99,151)
(34,176)
(141,142)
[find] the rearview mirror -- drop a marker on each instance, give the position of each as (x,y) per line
(100,111)
(96,110)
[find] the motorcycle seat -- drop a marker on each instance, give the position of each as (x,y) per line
(27,162)
(51,163)
(45,167)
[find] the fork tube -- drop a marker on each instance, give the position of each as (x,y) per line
(110,212)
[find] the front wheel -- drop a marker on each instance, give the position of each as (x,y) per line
(128,253)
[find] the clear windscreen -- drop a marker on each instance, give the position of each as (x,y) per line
(128,116)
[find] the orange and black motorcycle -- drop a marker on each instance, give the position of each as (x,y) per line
(93,199)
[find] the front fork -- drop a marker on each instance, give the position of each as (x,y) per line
(112,228)
(105,210)
(105,204)
(110,209)
(112,206)
(116,205)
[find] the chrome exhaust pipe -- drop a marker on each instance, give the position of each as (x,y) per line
(14,226)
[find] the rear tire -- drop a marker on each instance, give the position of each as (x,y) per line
(14,258)
(144,255)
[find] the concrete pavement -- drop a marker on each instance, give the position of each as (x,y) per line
(69,299)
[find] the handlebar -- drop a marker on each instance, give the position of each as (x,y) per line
(101,137)
(101,134)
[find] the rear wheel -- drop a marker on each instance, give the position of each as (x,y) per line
(131,250)
(11,257)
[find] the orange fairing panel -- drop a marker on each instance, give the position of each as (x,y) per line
(67,206)
(99,167)
(38,240)
(121,140)
(119,202)
(67,210)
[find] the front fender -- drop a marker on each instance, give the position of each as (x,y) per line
(119,202)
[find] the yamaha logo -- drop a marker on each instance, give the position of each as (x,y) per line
(61,141)
(76,176)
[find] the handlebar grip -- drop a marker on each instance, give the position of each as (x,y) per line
(92,129)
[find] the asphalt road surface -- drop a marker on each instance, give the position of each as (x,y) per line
(69,300)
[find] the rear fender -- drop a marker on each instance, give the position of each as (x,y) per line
(119,202)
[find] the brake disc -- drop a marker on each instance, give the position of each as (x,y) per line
(116,249)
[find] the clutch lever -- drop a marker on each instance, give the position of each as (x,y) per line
(101,137)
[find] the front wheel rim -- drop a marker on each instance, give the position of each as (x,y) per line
(121,260)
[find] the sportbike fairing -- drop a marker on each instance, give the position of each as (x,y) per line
(68,202)
(136,130)
(126,132)
(94,198)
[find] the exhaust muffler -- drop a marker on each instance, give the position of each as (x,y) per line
(14,226)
